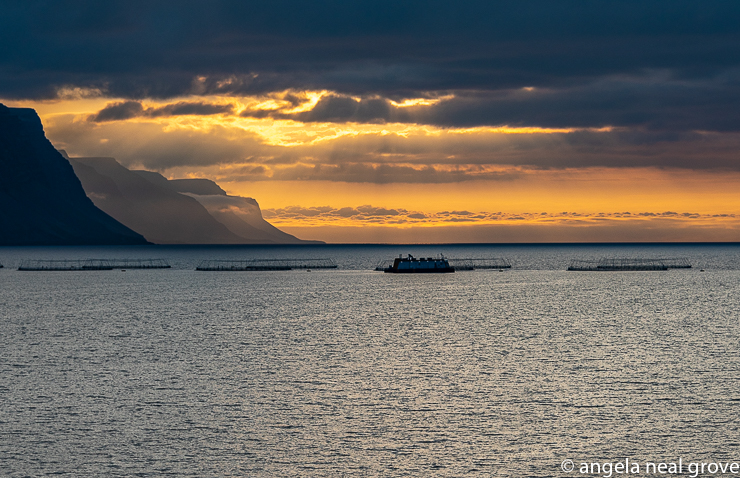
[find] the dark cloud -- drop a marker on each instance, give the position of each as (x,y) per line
(382,173)
(131,109)
(656,101)
(189,108)
(342,108)
(370,173)
(119,111)
(337,108)
(593,63)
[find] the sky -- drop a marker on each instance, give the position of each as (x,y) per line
(433,121)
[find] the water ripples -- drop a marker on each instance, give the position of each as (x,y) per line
(359,373)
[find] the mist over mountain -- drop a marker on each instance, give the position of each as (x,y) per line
(244,217)
(41,199)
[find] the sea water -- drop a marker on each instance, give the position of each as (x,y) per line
(352,372)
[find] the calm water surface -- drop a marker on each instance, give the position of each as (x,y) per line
(352,372)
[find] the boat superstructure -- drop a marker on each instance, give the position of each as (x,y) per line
(412,265)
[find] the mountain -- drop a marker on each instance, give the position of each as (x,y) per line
(41,199)
(184,211)
(161,215)
(194,186)
(240,215)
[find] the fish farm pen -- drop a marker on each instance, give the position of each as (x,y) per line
(266,265)
(465,264)
(624,264)
(92,264)
(480,263)
(140,264)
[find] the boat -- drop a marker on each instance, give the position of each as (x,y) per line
(412,265)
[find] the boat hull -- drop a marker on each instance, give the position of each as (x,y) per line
(390,270)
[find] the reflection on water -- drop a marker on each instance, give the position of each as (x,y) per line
(358,373)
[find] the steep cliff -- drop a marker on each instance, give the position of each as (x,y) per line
(41,199)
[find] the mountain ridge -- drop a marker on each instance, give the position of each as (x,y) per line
(172,211)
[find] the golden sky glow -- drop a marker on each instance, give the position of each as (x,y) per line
(313,178)
(585,191)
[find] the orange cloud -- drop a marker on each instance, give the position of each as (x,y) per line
(356,216)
